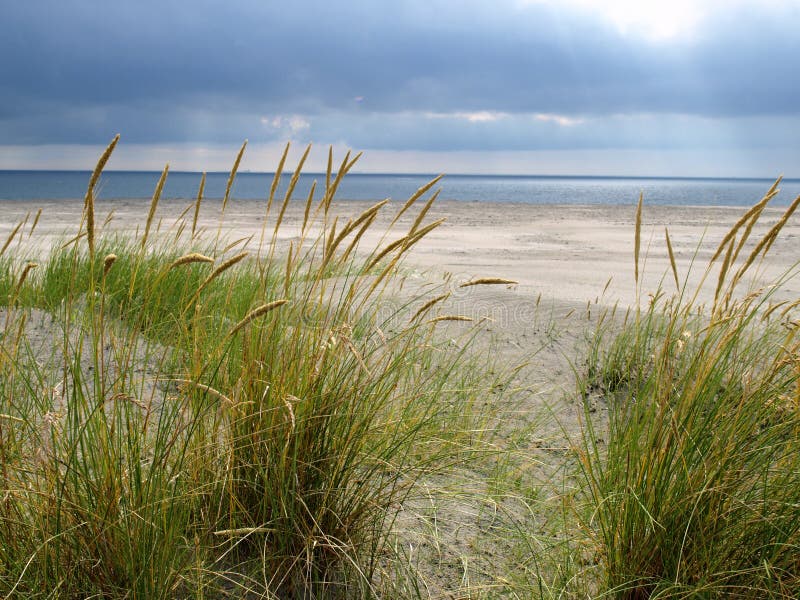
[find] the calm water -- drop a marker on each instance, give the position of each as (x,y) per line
(29,185)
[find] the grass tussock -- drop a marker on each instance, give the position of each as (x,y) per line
(694,488)
(182,418)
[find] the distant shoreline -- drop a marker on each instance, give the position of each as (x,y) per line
(29,185)
(430,175)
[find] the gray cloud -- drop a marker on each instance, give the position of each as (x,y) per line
(77,72)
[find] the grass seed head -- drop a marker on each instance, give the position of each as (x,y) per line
(488,281)
(194,257)
(256,313)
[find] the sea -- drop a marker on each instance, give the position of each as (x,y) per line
(670,191)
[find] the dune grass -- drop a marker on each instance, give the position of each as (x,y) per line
(205,419)
(694,489)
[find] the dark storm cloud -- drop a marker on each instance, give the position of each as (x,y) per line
(76,72)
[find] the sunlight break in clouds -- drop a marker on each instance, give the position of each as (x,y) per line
(490,116)
(659,20)
(562,120)
(481,116)
(290,123)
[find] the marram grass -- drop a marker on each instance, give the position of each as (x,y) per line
(695,490)
(206,421)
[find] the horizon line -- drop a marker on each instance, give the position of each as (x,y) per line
(422,174)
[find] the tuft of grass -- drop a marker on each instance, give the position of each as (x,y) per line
(696,491)
(182,419)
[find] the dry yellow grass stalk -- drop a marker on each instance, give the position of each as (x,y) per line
(35,222)
(366,214)
(88,203)
(389,268)
(428,305)
(772,308)
(276,179)
(108,262)
(28,268)
(354,351)
(792,306)
(672,263)
(204,388)
(766,242)
(752,213)
(369,213)
(232,176)
(488,281)
(288,196)
(10,238)
(414,197)
(723,272)
(243,531)
(364,227)
(287,275)
(68,243)
(154,204)
(380,256)
(441,318)
(637,239)
(424,211)
(774,235)
(256,313)
(293,181)
(416,236)
(330,237)
(405,244)
(329,169)
(193,257)
(179,224)
(345,167)
(747,231)
(197,203)
(243,241)
(219,270)
(309,202)
(330,186)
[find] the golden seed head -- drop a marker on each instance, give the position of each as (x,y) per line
(194,257)
(108,261)
(489,281)
(450,318)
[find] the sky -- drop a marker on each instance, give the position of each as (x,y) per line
(579,87)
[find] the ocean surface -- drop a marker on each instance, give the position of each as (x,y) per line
(32,185)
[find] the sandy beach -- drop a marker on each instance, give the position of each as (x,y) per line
(565,253)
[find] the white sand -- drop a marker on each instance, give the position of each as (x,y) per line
(566,253)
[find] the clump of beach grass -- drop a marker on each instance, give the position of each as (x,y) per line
(211,420)
(694,489)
